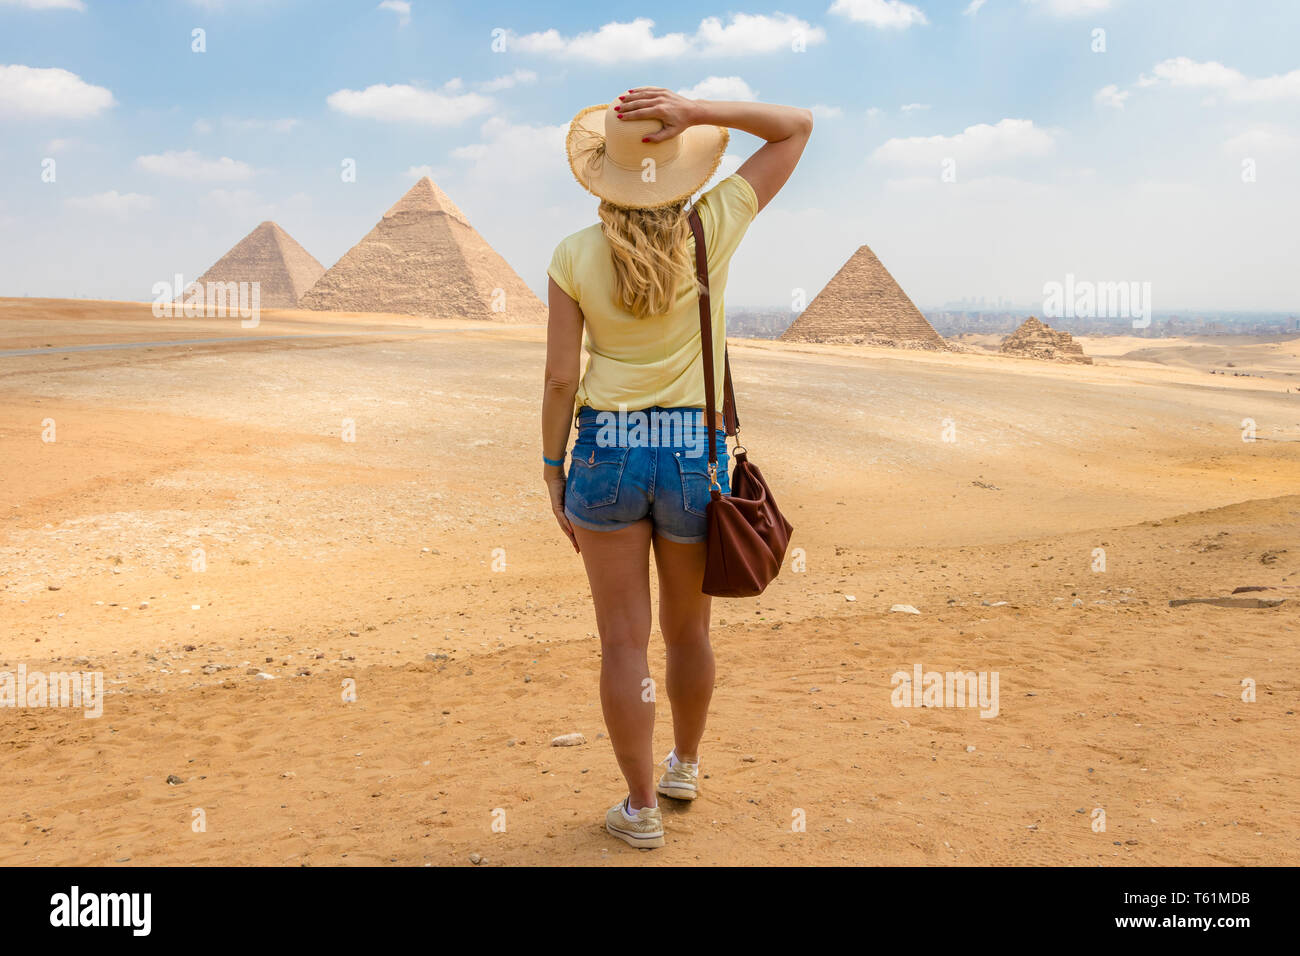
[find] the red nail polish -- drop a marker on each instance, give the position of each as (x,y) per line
(646,139)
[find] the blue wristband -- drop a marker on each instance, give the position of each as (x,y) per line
(552,462)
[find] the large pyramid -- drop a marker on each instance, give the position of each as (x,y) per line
(1035,339)
(862,304)
(424,258)
(270,257)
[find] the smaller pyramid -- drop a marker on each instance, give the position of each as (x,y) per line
(1035,339)
(270,257)
(424,258)
(863,305)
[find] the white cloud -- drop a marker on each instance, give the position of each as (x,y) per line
(60,145)
(189,165)
(874,111)
(747,34)
(401,7)
(419,172)
(1009,139)
(822,111)
(111,203)
(514,150)
(635,41)
(33,91)
(202,127)
(1072,8)
(509,81)
(720,88)
(1111,96)
(612,43)
(1215,78)
(1262,141)
(913,107)
(882,14)
(45,4)
(409,104)
(471,151)
(973,8)
(729,163)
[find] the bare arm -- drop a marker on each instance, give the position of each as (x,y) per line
(786,129)
(563,366)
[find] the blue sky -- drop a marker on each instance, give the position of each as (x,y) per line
(1122,164)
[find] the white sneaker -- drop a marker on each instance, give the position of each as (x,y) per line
(681,781)
(645,830)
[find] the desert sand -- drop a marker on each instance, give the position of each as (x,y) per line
(376,561)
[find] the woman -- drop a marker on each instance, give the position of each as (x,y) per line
(639,475)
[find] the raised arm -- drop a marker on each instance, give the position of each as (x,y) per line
(786,129)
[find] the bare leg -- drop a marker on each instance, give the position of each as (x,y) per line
(684,620)
(618,568)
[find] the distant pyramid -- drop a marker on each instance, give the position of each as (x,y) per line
(862,304)
(424,258)
(1035,339)
(270,257)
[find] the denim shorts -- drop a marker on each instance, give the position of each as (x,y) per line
(652,463)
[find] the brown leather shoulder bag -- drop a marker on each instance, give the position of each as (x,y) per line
(748,535)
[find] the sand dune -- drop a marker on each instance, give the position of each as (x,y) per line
(329,560)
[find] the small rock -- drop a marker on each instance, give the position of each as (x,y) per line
(904,609)
(173,780)
(1231,602)
(475,859)
(568,740)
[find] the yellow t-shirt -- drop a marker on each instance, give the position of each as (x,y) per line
(637,363)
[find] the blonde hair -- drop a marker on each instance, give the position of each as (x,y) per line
(648,248)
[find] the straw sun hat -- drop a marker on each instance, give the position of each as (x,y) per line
(609,160)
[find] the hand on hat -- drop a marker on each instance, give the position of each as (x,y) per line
(676,112)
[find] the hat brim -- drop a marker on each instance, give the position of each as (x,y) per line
(698,158)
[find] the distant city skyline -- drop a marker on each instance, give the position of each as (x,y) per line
(982,150)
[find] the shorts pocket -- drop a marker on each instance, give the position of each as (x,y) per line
(695,481)
(595,474)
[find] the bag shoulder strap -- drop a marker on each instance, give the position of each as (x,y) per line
(730,419)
